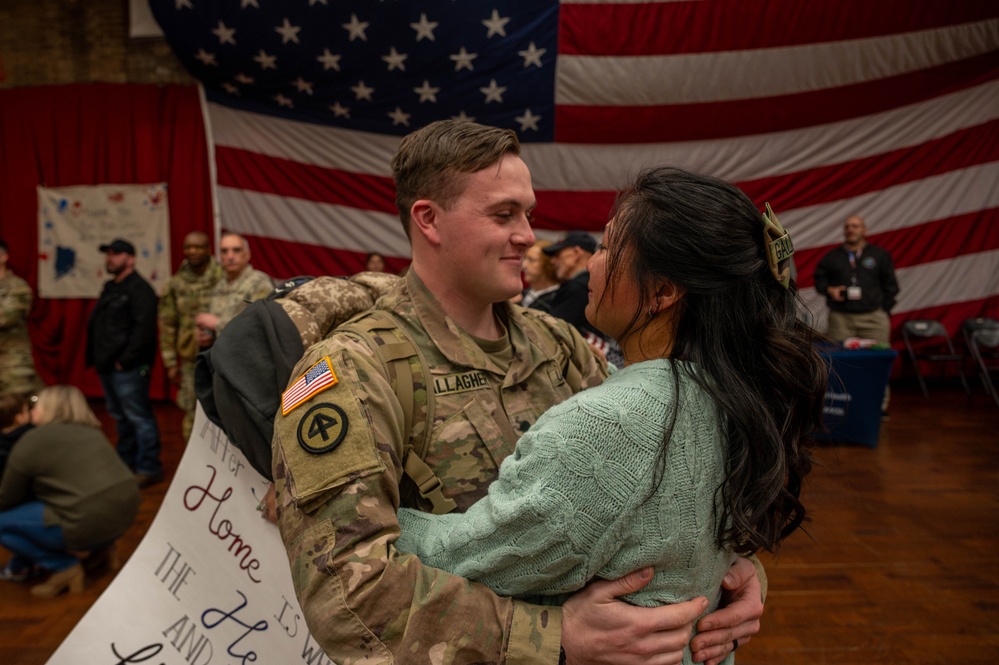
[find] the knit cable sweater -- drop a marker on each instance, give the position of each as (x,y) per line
(577,499)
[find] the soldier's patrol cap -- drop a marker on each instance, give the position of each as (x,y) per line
(119,246)
(580,239)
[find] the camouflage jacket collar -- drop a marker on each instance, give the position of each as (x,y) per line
(212,274)
(457,345)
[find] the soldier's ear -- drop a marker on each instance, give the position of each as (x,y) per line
(424,219)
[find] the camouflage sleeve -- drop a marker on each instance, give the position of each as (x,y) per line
(257,287)
(15,305)
(337,471)
(262,285)
(167,317)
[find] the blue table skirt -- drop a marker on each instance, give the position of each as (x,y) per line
(857,381)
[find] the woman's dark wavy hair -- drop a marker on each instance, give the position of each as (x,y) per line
(737,324)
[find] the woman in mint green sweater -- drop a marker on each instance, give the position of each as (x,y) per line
(691,454)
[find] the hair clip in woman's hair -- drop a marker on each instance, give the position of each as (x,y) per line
(778,247)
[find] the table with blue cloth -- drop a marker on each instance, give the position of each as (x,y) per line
(857,380)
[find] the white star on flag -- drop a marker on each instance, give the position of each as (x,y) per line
(230,88)
(493,92)
(463,116)
(528,120)
(246,3)
(424,28)
(225,35)
(395,60)
(302,85)
(496,25)
(532,56)
(356,28)
(329,60)
(427,93)
(266,60)
(463,59)
(399,118)
(288,32)
(184,3)
(206,57)
(244,79)
(340,111)
(284,101)
(362,91)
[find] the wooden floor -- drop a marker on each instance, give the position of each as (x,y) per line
(899,565)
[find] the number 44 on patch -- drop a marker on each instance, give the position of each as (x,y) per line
(322,428)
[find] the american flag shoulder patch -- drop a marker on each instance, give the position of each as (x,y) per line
(319,377)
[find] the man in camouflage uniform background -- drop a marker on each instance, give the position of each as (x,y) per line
(339,451)
(230,296)
(17,365)
(186,296)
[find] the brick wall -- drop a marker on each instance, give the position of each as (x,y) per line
(46,42)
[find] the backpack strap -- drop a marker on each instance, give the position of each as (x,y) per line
(398,358)
(540,329)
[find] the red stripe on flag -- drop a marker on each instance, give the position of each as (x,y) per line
(961,149)
(938,240)
(242,169)
(565,210)
(703,27)
(691,122)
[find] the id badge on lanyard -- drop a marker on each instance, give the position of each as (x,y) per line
(853,292)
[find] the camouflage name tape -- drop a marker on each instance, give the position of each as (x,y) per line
(778,247)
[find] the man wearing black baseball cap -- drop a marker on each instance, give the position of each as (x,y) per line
(121,344)
(569,256)
(118,246)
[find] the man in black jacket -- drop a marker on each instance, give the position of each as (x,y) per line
(858,281)
(121,344)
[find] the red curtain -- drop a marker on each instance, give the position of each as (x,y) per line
(59,136)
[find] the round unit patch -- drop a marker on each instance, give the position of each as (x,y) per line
(322,428)
(869,262)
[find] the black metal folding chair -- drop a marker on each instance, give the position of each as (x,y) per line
(985,351)
(927,340)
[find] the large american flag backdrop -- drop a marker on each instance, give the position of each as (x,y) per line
(886,109)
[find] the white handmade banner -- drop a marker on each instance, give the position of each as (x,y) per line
(73,222)
(208,585)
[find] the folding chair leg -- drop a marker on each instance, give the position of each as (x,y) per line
(919,377)
(964,379)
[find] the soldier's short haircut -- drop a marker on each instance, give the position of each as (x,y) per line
(430,161)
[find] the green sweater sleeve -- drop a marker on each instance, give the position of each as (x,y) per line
(560,509)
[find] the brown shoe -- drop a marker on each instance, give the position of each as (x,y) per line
(144,480)
(72,578)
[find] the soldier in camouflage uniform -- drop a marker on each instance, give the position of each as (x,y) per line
(186,295)
(17,365)
(338,453)
(241,286)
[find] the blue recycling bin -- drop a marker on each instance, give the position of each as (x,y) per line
(857,381)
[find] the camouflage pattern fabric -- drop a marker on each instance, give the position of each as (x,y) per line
(186,295)
(339,479)
(17,365)
(228,299)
